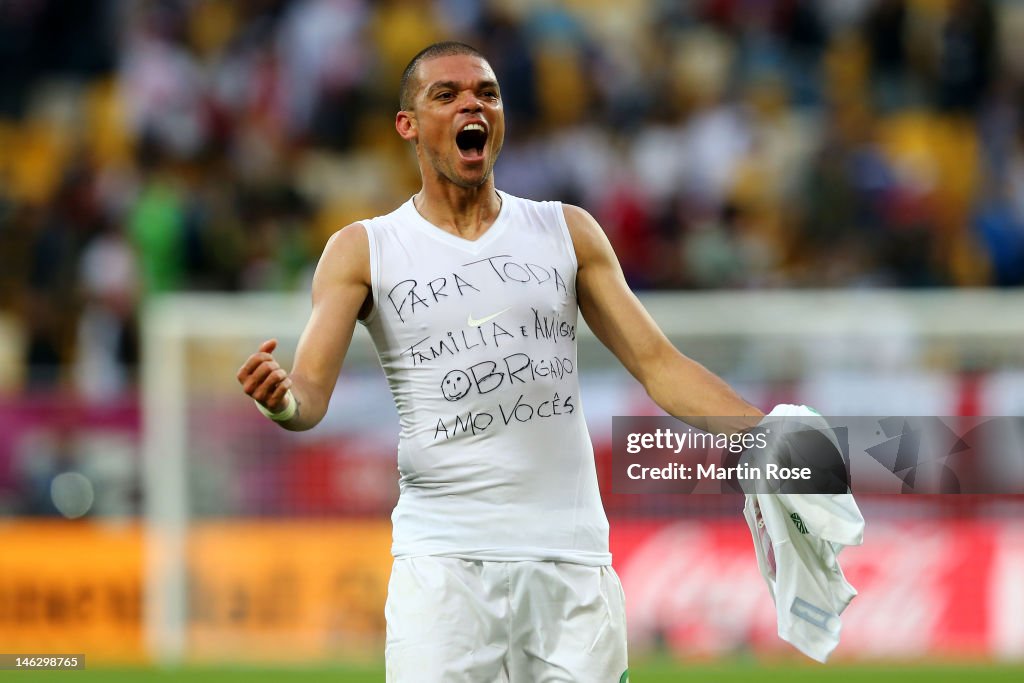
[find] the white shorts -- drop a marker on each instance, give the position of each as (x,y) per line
(452,620)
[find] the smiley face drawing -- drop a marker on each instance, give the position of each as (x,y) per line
(455,385)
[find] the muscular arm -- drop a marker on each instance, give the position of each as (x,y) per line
(679,385)
(341,294)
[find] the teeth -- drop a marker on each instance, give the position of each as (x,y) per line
(475,126)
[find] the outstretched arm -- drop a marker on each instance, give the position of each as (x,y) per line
(341,294)
(679,385)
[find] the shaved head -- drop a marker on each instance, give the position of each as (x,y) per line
(448,48)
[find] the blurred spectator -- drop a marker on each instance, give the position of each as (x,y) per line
(162,83)
(55,252)
(886,33)
(156,224)
(324,61)
(106,340)
(966,57)
(1000,225)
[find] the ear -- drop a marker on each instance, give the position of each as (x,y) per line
(405,124)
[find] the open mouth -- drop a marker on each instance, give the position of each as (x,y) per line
(471,140)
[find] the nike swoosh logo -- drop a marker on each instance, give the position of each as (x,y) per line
(477,323)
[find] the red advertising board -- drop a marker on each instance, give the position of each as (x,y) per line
(925,589)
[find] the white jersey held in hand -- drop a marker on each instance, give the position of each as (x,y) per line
(797,539)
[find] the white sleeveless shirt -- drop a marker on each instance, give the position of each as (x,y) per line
(478,343)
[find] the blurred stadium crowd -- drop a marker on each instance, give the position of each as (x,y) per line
(154,146)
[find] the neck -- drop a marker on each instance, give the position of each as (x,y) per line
(464,211)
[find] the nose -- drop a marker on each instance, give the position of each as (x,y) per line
(470,103)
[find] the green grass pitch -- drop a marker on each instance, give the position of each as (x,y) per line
(649,672)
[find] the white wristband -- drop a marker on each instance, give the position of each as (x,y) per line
(286,413)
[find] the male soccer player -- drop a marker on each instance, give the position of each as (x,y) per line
(502,570)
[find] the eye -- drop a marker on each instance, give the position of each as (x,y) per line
(445,95)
